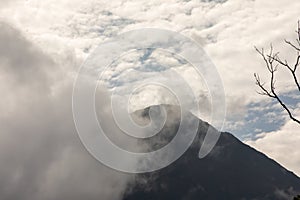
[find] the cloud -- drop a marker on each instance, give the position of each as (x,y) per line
(20,59)
(230,30)
(281,145)
(40,153)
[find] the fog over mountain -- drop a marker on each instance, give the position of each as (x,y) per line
(232,170)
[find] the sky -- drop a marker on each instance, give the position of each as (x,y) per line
(43,44)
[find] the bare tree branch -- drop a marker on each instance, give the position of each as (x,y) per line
(292,45)
(287,110)
(272,61)
(291,69)
(261,85)
(298,33)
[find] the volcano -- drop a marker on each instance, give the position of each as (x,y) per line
(232,170)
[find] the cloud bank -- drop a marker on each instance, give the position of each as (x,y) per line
(40,153)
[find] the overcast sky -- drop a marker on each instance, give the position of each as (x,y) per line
(44,42)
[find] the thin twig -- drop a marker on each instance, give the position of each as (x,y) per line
(269,61)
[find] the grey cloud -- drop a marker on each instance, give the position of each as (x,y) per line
(21,61)
(40,153)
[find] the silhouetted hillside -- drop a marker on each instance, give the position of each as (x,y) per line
(232,170)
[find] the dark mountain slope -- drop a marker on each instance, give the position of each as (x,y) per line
(232,170)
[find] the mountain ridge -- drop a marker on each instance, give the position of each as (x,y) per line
(232,170)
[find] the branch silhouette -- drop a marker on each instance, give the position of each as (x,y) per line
(272,62)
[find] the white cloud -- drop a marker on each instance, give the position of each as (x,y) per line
(230,29)
(282,145)
(40,154)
